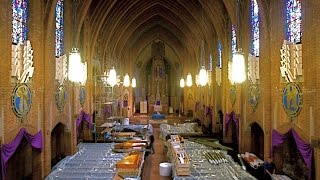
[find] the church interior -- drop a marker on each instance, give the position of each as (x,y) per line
(159,89)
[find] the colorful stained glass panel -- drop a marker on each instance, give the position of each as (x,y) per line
(219,62)
(294,20)
(255,27)
(19,21)
(233,40)
(59,29)
(210,62)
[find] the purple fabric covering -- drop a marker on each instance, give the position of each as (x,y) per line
(304,148)
(107,109)
(209,110)
(233,117)
(125,103)
(83,116)
(7,150)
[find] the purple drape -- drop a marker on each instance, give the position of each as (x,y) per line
(229,117)
(208,110)
(83,116)
(7,150)
(304,148)
(107,109)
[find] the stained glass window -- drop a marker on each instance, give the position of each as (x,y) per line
(219,61)
(233,40)
(294,20)
(59,29)
(210,62)
(255,27)
(19,21)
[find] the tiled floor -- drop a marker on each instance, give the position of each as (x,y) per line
(151,169)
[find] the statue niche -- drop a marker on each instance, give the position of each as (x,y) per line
(157,78)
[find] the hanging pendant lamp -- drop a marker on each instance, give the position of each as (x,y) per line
(189,80)
(203,78)
(74,67)
(126,80)
(134,82)
(112,77)
(238,67)
(182,82)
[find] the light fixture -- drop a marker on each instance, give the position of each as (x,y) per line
(189,80)
(203,77)
(197,80)
(134,82)
(238,67)
(83,74)
(182,82)
(126,80)
(209,75)
(112,77)
(74,66)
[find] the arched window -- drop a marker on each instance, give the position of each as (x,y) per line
(210,62)
(219,61)
(255,28)
(19,21)
(59,29)
(233,40)
(293,21)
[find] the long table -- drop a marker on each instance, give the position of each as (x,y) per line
(93,161)
(201,169)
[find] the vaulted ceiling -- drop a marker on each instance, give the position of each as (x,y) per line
(120,25)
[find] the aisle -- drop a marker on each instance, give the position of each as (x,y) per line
(151,164)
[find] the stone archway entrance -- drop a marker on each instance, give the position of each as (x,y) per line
(257,140)
(234,130)
(58,144)
(24,163)
(289,161)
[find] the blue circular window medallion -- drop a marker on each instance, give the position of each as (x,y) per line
(233,94)
(254,94)
(61,97)
(292,99)
(21,100)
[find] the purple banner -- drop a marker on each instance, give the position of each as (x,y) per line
(83,116)
(7,150)
(232,117)
(209,110)
(304,148)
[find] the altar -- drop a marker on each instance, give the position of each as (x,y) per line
(158,108)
